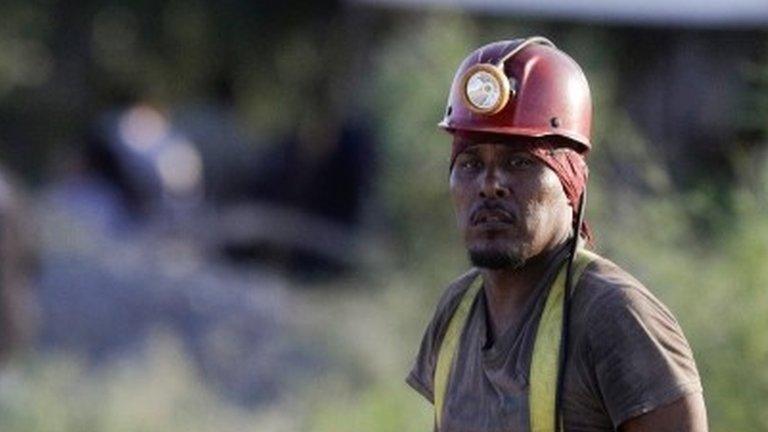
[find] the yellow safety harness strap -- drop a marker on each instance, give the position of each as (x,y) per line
(450,344)
(546,349)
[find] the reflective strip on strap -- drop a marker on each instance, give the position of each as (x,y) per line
(450,344)
(546,350)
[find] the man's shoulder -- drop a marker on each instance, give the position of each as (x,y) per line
(422,374)
(606,293)
(454,291)
(604,285)
(449,301)
(634,348)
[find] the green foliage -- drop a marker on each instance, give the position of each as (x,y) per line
(381,407)
(413,71)
(24,60)
(158,392)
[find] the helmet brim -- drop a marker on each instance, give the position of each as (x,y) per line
(581,143)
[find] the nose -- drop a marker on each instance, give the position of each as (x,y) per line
(492,186)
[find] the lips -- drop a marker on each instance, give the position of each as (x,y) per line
(495,216)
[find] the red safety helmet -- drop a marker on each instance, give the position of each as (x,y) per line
(521,87)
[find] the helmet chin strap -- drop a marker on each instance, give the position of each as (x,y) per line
(563,359)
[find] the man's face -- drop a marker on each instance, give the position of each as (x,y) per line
(509,205)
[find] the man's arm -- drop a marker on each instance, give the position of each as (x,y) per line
(644,371)
(686,414)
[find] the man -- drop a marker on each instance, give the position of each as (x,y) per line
(542,335)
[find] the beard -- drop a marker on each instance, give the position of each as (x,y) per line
(495,259)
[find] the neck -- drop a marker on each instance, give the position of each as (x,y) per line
(508,290)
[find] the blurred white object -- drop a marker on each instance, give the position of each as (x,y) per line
(715,13)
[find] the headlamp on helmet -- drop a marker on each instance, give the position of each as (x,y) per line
(486,89)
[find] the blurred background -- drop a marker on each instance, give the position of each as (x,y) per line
(233,215)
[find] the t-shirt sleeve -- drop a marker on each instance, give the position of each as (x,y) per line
(421,377)
(423,370)
(642,359)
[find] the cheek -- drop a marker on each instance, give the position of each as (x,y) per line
(550,191)
(544,197)
(460,198)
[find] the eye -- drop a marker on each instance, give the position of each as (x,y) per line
(469,163)
(520,162)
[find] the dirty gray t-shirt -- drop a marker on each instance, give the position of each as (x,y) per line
(627,356)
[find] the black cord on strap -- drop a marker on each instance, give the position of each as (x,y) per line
(563,355)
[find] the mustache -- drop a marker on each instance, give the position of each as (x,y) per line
(494,208)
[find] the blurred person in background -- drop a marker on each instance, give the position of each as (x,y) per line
(124,255)
(135,168)
(542,334)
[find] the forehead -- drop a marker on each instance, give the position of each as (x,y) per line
(479,141)
(491,149)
